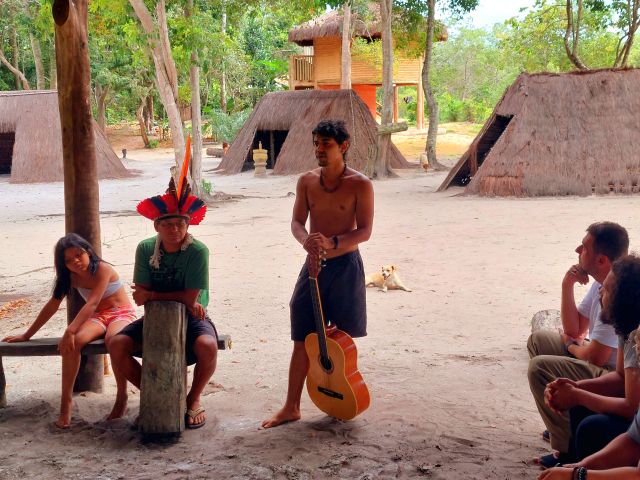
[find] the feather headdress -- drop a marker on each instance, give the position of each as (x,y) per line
(176,202)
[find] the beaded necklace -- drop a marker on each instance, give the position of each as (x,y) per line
(331,190)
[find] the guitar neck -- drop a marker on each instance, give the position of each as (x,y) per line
(318,316)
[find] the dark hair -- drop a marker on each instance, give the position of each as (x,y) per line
(335,129)
(62,283)
(623,309)
(609,239)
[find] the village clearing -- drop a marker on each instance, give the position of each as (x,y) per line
(445,364)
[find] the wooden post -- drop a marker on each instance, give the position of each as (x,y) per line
(272,148)
(163,398)
(3,387)
(81,203)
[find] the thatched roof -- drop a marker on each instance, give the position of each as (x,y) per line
(37,152)
(330,25)
(298,112)
(558,134)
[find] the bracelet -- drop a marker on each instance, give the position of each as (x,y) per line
(579,473)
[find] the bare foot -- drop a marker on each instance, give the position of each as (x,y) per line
(119,409)
(283,416)
(64,420)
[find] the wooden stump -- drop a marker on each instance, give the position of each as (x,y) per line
(163,384)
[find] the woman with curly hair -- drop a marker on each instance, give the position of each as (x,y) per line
(606,435)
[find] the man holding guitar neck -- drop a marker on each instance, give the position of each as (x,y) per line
(338,201)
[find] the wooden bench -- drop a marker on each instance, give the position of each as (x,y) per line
(49,346)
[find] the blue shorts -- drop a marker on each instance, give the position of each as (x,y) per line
(343,296)
(195,328)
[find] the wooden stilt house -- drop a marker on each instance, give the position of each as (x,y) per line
(320,66)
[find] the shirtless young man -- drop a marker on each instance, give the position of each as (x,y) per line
(339,203)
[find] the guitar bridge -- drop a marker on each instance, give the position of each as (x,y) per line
(331,393)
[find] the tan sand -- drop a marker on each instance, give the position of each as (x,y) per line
(446,364)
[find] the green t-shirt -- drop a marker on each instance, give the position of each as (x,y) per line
(178,271)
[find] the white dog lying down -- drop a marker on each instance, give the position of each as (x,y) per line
(387,280)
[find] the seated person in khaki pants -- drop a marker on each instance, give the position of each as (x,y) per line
(569,354)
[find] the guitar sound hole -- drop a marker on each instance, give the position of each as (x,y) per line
(326,363)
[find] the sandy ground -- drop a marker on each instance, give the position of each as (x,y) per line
(446,364)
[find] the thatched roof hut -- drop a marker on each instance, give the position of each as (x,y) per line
(31,139)
(283,121)
(558,134)
(329,24)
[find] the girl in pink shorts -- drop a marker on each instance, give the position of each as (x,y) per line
(106,311)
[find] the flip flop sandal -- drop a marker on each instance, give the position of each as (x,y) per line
(193,414)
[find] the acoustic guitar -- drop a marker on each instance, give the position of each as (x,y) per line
(334,383)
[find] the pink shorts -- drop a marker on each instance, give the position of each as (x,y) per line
(106,317)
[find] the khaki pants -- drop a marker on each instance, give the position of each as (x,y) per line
(549,360)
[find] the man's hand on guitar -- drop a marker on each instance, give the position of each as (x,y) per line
(317,244)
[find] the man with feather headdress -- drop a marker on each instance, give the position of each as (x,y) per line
(173,266)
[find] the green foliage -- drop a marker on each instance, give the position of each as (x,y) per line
(207,187)
(224,127)
(153,143)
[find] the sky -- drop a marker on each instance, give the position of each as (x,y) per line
(490,12)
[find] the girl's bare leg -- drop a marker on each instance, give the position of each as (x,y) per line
(120,406)
(88,332)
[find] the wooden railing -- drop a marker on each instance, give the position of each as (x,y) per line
(301,68)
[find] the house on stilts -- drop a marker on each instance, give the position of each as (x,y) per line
(320,67)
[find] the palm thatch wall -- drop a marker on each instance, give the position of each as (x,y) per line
(298,112)
(558,134)
(37,152)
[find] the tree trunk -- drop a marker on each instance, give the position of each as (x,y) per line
(148,114)
(196,119)
(345,71)
(572,35)
(382,168)
(166,73)
(633,22)
(432,133)
(78,149)
(101,101)
(142,123)
(223,76)
(16,58)
(53,71)
(17,73)
(37,59)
